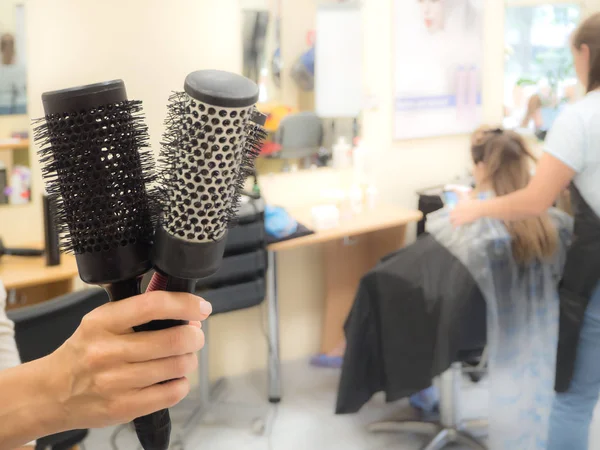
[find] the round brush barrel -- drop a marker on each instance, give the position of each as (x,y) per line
(202,169)
(97,174)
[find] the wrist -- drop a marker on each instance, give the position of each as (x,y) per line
(50,413)
(482,209)
(29,409)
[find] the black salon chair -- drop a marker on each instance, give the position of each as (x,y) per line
(239,283)
(470,360)
(41,329)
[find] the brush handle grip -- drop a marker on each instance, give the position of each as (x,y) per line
(153,430)
(175,284)
(162,282)
(122,289)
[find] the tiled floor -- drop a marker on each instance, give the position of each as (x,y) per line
(303,421)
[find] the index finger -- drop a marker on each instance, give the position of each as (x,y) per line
(120,317)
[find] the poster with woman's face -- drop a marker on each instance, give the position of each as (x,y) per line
(438,58)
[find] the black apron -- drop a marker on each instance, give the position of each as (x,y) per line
(580,278)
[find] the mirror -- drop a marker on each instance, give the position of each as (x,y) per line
(539,73)
(279,40)
(13,75)
(15,173)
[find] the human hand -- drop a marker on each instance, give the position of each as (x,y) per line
(106,374)
(465,212)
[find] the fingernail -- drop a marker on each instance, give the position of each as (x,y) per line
(205,308)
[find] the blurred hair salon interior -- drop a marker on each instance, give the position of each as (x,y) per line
(392,207)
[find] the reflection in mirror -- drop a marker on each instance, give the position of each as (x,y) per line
(13,96)
(255,25)
(279,53)
(539,74)
(15,173)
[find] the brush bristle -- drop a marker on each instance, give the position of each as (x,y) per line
(206,155)
(255,136)
(97,167)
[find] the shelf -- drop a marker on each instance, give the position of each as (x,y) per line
(14,144)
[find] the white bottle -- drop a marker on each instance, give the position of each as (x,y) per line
(341,154)
(20,184)
(371,197)
(356,199)
(16,189)
(360,163)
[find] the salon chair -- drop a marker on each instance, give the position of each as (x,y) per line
(522,313)
(451,428)
(300,137)
(239,284)
(41,329)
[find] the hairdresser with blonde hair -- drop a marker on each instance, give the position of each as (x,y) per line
(571,157)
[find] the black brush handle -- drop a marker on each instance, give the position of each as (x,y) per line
(123,289)
(164,324)
(153,430)
(175,284)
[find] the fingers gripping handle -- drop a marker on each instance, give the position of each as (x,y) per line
(154,430)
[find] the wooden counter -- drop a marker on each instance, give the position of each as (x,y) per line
(350,250)
(14,144)
(30,281)
(370,220)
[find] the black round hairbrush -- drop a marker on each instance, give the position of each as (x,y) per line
(98,171)
(213,135)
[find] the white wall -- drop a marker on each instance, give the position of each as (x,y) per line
(254,4)
(7,15)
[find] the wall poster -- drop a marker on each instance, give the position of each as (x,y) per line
(438,58)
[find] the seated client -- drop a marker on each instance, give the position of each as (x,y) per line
(423,306)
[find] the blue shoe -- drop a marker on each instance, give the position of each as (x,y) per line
(427,400)
(331,362)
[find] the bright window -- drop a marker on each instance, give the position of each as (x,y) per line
(539,74)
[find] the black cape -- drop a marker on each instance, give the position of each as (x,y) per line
(430,309)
